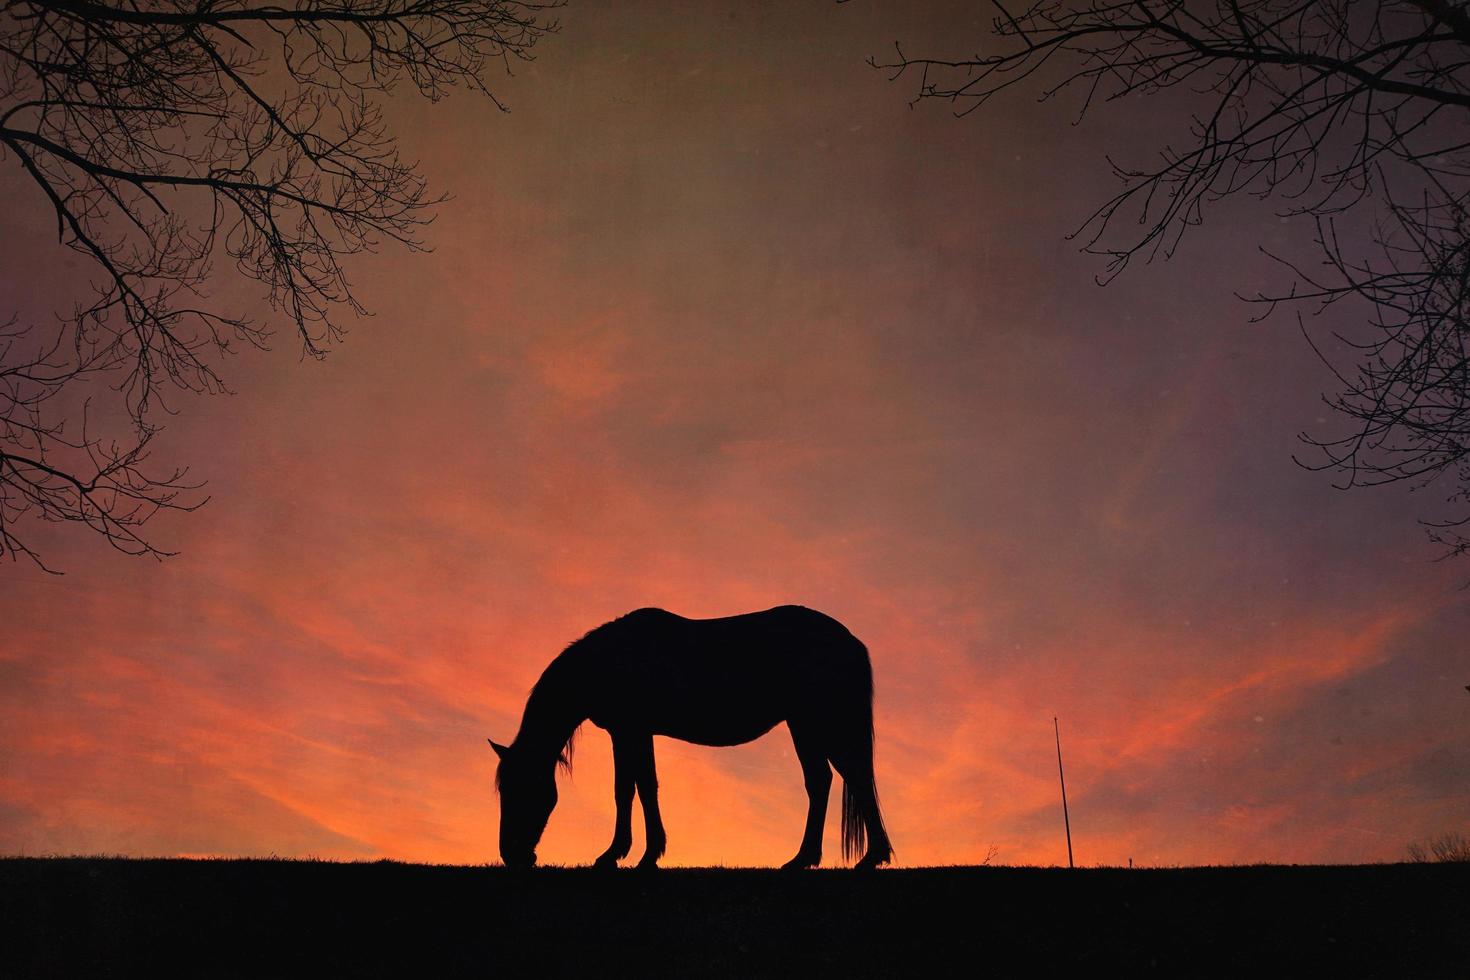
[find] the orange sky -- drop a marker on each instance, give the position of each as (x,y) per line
(715,323)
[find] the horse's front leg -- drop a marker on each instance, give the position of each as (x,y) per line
(623,785)
(647,778)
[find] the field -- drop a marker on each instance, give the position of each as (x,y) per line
(89,917)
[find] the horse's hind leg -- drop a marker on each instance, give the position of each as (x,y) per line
(817,775)
(854,761)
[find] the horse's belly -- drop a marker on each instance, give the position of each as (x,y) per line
(704,732)
(721,696)
(704,721)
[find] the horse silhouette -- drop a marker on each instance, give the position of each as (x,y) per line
(712,682)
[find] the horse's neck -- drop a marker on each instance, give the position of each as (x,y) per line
(553,713)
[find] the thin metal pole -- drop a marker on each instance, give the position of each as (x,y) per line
(1066,819)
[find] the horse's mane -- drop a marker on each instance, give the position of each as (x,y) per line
(564,757)
(588,639)
(543,686)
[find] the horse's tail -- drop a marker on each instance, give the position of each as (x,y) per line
(854,829)
(854,834)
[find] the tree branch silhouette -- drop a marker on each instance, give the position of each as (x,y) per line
(1350,114)
(168,135)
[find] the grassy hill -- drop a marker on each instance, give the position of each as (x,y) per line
(88,917)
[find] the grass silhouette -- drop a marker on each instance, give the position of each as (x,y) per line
(259,918)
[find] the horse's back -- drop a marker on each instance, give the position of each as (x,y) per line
(785,636)
(729,679)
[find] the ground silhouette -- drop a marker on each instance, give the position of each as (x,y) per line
(712,682)
(97,917)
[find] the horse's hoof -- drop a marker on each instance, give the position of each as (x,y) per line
(605,863)
(871,861)
(801,862)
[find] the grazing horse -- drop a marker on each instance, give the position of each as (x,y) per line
(712,682)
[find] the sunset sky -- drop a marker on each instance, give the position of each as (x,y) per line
(717,321)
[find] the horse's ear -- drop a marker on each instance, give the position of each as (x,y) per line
(500,750)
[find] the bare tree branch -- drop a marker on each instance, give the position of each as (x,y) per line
(1352,114)
(168,134)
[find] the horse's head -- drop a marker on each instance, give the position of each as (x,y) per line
(527,797)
